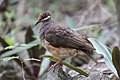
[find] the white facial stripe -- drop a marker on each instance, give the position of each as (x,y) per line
(46,18)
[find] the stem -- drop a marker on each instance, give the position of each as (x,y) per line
(66,64)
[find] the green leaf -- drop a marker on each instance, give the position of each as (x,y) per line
(20,48)
(9,58)
(106,52)
(10,41)
(4,44)
(14,56)
(2,41)
(116,59)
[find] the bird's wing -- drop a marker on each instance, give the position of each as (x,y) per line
(65,37)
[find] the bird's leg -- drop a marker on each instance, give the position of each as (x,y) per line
(54,65)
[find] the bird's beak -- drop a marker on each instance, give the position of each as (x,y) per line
(38,21)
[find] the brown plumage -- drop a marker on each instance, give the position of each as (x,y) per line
(60,40)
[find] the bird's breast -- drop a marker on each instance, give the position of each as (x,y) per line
(60,52)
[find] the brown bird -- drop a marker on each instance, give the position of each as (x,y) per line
(62,41)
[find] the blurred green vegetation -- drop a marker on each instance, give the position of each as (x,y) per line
(19,37)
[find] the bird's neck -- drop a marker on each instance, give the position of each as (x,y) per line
(45,26)
(47,23)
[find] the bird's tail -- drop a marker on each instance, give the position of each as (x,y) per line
(92,58)
(89,54)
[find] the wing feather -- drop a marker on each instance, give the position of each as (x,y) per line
(65,37)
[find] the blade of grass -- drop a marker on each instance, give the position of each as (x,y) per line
(20,48)
(66,64)
(106,52)
(4,44)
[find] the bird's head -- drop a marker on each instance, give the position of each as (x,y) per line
(43,17)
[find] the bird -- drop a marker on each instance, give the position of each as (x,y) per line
(60,40)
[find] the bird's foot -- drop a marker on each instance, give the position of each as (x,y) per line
(53,66)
